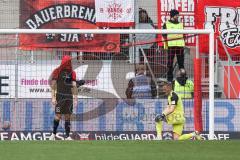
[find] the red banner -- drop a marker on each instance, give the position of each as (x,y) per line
(186,10)
(63,14)
(224,18)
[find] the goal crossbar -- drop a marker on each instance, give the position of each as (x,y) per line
(106,31)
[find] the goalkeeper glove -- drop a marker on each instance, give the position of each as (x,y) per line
(159,118)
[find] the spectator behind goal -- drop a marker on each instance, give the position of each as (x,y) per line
(144,17)
(141,86)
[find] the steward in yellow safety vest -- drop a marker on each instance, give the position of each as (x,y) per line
(174,43)
(173,23)
(182,85)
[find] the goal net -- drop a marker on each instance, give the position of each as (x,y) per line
(103,111)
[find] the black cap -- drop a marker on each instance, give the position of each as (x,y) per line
(173,13)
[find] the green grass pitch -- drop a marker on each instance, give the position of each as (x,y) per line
(119,150)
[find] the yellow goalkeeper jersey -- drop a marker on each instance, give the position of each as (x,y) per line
(177,116)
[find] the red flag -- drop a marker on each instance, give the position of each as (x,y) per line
(223,17)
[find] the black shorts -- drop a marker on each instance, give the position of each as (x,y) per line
(64,104)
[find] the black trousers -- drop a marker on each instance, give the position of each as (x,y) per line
(172,51)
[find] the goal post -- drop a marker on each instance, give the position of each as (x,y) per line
(141,31)
(211,85)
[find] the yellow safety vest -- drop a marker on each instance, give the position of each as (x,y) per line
(179,42)
(184,91)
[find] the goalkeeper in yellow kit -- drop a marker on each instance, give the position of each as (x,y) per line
(173,114)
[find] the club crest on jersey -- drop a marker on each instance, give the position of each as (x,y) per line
(173,103)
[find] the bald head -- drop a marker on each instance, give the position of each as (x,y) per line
(181,73)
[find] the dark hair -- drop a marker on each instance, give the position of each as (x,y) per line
(147,20)
(142,11)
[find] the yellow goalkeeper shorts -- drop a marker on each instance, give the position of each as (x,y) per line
(175,118)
